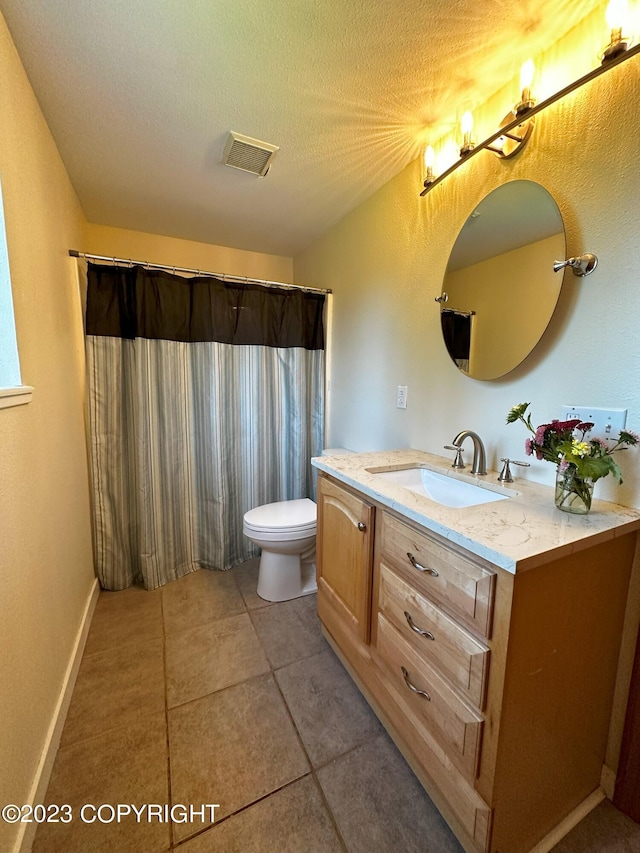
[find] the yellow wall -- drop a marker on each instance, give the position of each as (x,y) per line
(386,262)
(119,242)
(46,566)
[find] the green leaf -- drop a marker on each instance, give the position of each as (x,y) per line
(516,413)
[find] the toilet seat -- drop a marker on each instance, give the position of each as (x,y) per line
(297,516)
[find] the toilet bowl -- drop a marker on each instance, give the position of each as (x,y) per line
(286,532)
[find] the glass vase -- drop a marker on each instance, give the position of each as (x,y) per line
(573,493)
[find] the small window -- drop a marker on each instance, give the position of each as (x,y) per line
(12,391)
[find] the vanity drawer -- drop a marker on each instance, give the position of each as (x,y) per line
(443,642)
(453,723)
(463,588)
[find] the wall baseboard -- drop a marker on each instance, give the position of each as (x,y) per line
(608,781)
(573,819)
(27,832)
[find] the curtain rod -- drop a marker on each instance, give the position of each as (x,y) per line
(459,313)
(224,276)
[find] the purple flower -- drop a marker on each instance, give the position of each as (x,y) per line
(563,465)
(566,426)
(528,446)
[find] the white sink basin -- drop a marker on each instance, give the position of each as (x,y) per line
(440,488)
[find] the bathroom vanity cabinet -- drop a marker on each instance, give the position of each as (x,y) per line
(497,685)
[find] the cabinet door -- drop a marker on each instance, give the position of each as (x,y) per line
(345,557)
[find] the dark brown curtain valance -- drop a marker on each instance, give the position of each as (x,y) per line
(139,303)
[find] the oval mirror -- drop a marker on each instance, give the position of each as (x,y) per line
(500,287)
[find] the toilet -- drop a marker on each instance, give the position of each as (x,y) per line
(286,532)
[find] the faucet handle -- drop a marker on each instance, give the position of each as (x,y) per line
(458,462)
(505,474)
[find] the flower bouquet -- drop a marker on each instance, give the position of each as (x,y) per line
(580,462)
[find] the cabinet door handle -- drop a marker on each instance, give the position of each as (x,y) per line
(412,687)
(415,628)
(362,526)
(420,568)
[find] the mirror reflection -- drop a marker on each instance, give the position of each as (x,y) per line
(500,286)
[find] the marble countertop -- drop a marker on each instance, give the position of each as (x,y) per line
(516,534)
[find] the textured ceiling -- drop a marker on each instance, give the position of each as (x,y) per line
(141,94)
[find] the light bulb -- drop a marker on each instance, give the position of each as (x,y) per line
(466,125)
(429,157)
(617,19)
(526,78)
(616,14)
(526,74)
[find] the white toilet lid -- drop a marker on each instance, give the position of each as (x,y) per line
(283,515)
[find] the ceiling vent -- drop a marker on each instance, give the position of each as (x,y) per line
(250,155)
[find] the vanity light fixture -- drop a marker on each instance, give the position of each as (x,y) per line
(616,16)
(429,157)
(512,141)
(517,126)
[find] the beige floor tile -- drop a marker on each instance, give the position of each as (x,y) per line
(604,830)
(198,598)
(232,747)
(290,630)
(293,820)
(113,688)
(329,711)
(128,767)
(131,615)
(211,657)
(247,579)
(379,805)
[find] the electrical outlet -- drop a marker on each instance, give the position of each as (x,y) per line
(401,399)
(607,423)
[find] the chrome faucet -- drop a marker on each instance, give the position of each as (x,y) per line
(479,457)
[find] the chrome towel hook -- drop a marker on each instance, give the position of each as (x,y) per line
(581,265)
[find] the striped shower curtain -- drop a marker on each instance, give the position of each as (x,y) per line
(205,399)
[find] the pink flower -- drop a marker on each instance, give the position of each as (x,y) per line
(539,436)
(584,427)
(528,446)
(563,465)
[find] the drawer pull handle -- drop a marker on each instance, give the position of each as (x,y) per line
(415,628)
(362,526)
(420,568)
(412,687)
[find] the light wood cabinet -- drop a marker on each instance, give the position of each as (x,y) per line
(344,557)
(497,687)
(462,658)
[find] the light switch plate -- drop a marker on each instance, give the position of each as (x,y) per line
(607,423)
(401,400)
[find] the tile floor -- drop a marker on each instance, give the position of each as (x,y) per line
(202,693)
